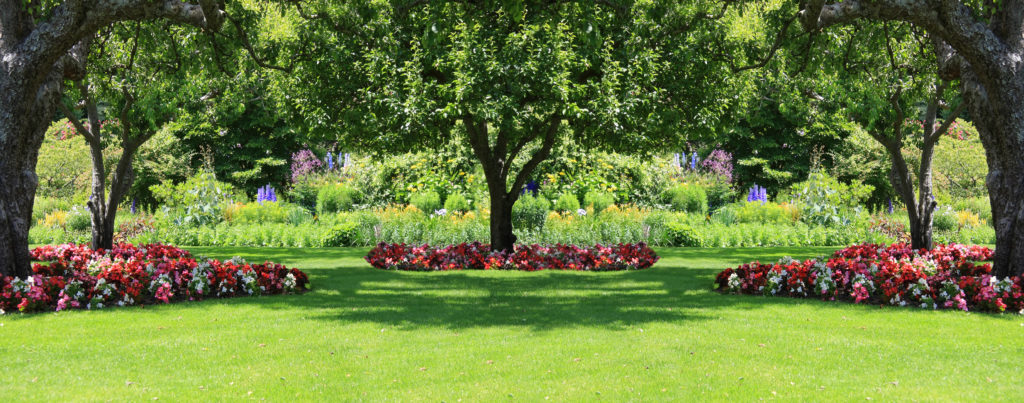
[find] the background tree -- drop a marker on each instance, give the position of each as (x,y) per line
(136,80)
(40,43)
(895,95)
(512,79)
(980,43)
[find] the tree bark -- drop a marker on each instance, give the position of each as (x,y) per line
(1000,123)
(34,59)
(23,120)
(502,237)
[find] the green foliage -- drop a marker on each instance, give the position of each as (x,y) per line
(78,219)
(977,205)
(598,200)
(456,203)
(687,197)
(341,234)
(681,234)
(267,212)
(826,201)
(428,201)
(863,158)
(333,198)
(64,167)
(46,205)
(198,201)
(530,212)
(960,165)
(160,159)
(756,212)
(567,202)
(944,219)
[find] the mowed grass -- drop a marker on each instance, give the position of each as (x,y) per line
(365,334)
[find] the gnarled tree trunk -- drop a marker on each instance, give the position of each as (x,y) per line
(24,117)
(38,44)
(1000,123)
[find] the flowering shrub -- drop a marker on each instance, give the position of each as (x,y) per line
(479,256)
(79,277)
(947,276)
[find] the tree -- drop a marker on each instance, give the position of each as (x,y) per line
(981,44)
(882,91)
(134,79)
(39,44)
(513,79)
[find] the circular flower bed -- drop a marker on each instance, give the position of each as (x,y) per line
(948,276)
(479,256)
(75,276)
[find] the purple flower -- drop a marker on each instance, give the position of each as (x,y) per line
(304,163)
(330,162)
(719,163)
(266,194)
(693,162)
(532,187)
(890,205)
(134,208)
(757,193)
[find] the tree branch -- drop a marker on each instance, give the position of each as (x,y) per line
(542,154)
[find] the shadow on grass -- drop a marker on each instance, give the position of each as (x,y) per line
(347,290)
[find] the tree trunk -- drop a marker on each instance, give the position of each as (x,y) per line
(502,237)
(24,117)
(1000,123)
(920,218)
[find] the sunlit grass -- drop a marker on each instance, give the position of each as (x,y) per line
(658,334)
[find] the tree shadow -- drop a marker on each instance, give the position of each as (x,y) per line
(347,290)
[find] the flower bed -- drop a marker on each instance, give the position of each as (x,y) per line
(949,276)
(478,256)
(75,276)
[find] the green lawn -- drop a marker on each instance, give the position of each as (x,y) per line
(658,334)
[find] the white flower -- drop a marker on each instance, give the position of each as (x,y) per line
(581,212)
(441,212)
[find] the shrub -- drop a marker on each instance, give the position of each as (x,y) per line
(599,201)
(757,212)
(427,201)
(456,203)
(530,212)
(78,219)
(335,198)
(977,205)
(341,234)
(267,212)
(688,198)
(567,202)
(680,234)
(198,201)
(945,219)
(826,201)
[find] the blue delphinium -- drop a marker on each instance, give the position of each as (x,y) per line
(531,187)
(757,193)
(266,194)
(134,208)
(330,162)
(693,162)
